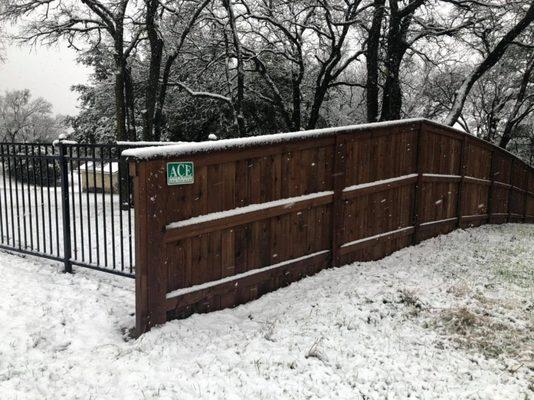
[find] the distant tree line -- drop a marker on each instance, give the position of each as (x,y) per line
(184,69)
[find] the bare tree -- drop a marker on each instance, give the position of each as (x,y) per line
(276,32)
(407,24)
(24,120)
(489,60)
(172,49)
(220,31)
(318,41)
(162,17)
(81,23)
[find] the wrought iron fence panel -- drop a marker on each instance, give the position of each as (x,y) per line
(68,202)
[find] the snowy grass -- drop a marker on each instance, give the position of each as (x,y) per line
(451,318)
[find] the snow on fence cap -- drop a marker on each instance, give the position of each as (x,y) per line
(200,147)
(112,167)
(145,143)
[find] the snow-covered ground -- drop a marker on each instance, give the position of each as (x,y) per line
(451,318)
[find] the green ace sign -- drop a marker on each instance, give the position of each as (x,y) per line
(180,173)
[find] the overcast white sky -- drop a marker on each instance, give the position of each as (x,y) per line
(47,72)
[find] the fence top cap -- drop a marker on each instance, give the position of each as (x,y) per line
(145,143)
(201,147)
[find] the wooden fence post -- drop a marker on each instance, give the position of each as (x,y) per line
(525,204)
(492,185)
(150,266)
(510,190)
(340,153)
(459,199)
(418,185)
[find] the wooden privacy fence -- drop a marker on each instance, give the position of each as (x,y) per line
(265,211)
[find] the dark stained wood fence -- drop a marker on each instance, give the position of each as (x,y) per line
(308,202)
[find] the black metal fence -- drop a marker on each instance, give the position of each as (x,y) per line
(68,202)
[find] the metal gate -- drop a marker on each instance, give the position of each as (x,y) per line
(68,202)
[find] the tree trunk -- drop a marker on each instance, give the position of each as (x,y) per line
(120,72)
(396,49)
(120,108)
(373,45)
(514,119)
(318,99)
(156,51)
(238,101)
(130,105)
(392,96)
(158,116)
(296,113)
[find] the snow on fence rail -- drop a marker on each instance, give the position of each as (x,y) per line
(260,213)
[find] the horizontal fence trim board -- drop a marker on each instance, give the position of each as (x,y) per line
(516,215)
(242,215)
(479,181)
(319,262)
(442,176)
(263,140)
(518,189)
(441,221)
(379,188)
(360,186)
(429,178)
(356,244)
(237,277)
(476,217)
(502,184)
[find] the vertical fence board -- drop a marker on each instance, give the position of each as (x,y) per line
(340,156)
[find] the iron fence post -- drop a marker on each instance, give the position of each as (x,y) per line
(65,210)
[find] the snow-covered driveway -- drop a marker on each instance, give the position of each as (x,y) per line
(451,318)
